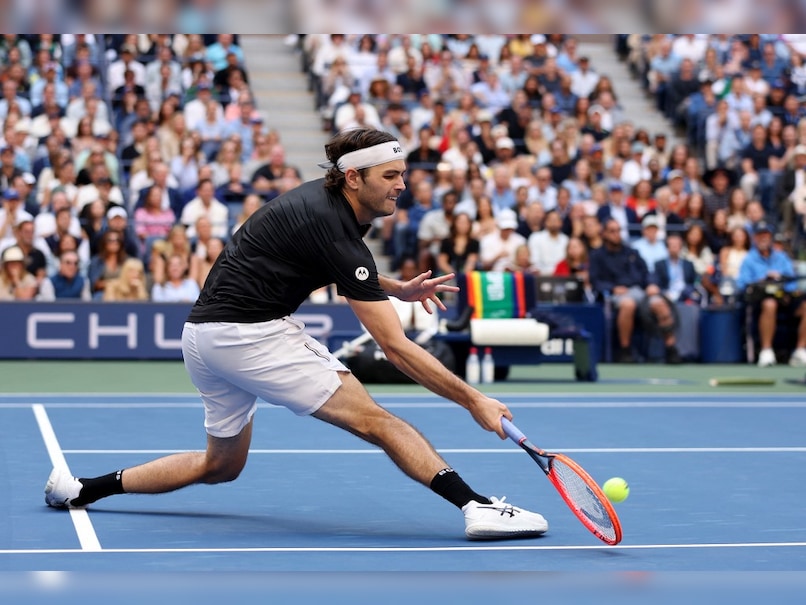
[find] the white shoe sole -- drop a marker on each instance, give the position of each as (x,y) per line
(52,485)
(490,533)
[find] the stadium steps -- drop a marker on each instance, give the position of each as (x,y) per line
(282,96)
(638,106)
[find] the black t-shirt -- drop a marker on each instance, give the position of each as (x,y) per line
(300,241)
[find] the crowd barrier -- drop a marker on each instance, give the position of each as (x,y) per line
(104,330)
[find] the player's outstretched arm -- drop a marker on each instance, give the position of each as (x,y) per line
(422,288)
(381,320)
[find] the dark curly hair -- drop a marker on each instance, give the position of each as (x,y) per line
(345,142)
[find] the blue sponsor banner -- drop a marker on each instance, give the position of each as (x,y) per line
(123,330)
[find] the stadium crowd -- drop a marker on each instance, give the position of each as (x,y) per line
(126,161)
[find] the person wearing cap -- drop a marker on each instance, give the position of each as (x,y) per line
(651,247)
(635,169)
(617,209)
(240,343)
(584,79)
(497,249)
(15,282)
(117,220)
(618,271)
(762,265)
(12,213)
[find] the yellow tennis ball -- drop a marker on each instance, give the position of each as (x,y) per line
(616,489)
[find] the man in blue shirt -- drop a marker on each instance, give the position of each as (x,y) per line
(764,263)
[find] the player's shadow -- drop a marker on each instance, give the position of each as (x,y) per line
(229,525)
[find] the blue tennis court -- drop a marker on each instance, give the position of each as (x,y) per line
(714,486)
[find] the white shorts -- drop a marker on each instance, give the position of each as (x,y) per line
(232,364)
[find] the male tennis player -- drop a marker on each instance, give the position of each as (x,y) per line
(240,342)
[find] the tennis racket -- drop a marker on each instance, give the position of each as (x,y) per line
(577,488)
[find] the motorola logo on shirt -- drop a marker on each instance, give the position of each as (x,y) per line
(362,273)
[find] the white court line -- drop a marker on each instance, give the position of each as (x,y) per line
(81,520)
(550,404)
(380,549)
(570,450)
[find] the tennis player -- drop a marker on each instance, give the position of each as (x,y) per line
(240,342)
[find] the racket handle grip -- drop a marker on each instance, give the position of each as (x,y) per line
(512,431)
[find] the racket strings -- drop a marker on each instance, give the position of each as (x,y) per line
(584,498)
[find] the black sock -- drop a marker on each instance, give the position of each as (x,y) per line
(448,484)
(99,487)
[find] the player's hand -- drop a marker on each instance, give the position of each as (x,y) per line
(487,412)
(425,288)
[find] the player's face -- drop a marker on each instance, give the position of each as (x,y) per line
(380,188)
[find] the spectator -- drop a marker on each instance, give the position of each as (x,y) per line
(35,250)
(130,285)
(185,165)
(205,204)
(641,199)
(434,227)
(177,287)
(792,192)
(675,275)
(216,53)
(117,220)
(651,248)
(12,213)
(575,263)
(407,221)
(617,209)
(547,247)
(127,62)
(12,98)
(67,283)
(459,253)
(731,257)
(724,136)
(695,248)
(497,249)
(764,263)
(15,282)
(265,179)
(759,163)
(107,263)
(251,204)
(200,266)
(241,125)
(617,269)
(720,180)
(151,220)
(163,76)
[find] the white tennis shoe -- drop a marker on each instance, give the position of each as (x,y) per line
(766,358)
(501,520)
(61,489)
(798,359)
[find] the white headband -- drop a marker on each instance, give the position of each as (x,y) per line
(369,156)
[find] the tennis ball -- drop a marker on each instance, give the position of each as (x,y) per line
(616,489)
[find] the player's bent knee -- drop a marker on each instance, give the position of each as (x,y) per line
(222,473)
